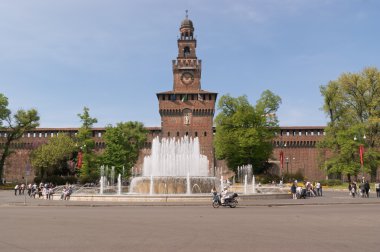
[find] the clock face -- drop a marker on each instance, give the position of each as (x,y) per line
(187,78)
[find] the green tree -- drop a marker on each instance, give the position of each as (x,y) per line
(123,143)
(15,126)
(88,172)
(352,103)
(244,133)
(53,157)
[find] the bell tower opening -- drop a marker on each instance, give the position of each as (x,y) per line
(186,51)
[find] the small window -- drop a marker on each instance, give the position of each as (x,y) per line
(187,133)
(168,134)
(300,133)
(196,134)
(205,133)
(177,134)
(28,134)
(99,134)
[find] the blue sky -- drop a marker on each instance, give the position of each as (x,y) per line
(113,56)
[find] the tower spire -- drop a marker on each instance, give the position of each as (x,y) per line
(187,12)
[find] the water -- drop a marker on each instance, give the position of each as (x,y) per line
(119,184)
(174,167)
(171,157)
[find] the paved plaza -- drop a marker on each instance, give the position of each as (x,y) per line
(334,222)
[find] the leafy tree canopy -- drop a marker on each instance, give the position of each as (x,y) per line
(123,143)
(244,133)
(15,125)
(52,158)
(89,170)
(352,103)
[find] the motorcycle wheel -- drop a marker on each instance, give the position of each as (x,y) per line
(215,204)
(233,203)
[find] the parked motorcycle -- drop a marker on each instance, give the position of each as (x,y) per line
(230,200)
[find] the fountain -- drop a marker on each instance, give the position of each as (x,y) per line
(119,184)
(253,184)
(173,167)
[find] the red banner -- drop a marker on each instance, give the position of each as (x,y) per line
(281,160)
(79,163)
(361,151)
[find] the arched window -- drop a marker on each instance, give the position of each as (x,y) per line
(196,134)
(177,134)
(205,133)
(168,134)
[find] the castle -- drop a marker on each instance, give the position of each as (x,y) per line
(186,110)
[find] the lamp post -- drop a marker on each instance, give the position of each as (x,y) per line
(361,153)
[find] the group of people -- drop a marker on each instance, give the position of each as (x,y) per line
(20,189)
(41,191)
(364,189)
(309,189)
(66,192)
(44,191)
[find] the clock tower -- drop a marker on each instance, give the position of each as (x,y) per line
(188,110)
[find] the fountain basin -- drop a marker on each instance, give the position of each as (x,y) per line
(173,185)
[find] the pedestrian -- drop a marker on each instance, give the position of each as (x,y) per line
(30,190)
(366,188)
(318,187)
(352,188)
(293,190)
(22,188)
(362,189)
(377,186)
(16,189)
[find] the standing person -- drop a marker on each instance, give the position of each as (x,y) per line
(16,189)
(352,187)
(293,190)
(362,190)
(318,187)
(30,190)
(377,186)
(366,188)
(22,188)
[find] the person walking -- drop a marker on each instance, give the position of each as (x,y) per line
(318,187)
(377,186)
(16,189)
(366,188)
(293,190)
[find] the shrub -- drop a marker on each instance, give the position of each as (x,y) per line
(331,182)
(56,180)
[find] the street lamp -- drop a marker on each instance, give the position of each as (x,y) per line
(361,153)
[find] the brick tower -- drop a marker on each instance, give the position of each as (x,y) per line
(187,110)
